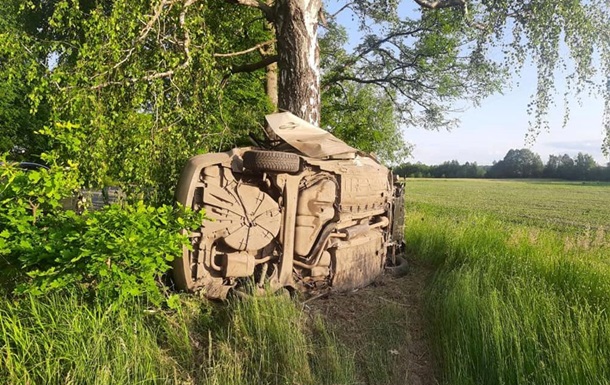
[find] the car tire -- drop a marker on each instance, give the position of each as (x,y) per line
(274,161)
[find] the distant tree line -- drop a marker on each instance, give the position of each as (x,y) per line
(452,169)
(517,163)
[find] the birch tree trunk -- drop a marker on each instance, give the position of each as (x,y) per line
(271,83)
(296,26)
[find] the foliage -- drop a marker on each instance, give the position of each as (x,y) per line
(18,124)
(151,83)
(113,74)
(512,303)
(243,100)
(446,54)
(450,51)
(137,81)
(370,127)
(559,165)
(118,252)
(422,63)
(521,163)
(583,167)
(452,169)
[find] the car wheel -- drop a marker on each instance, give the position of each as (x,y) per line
(274,161)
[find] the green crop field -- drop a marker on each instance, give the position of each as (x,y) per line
(559,205)
(521,291)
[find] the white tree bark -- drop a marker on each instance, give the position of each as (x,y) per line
(271,84)
(296,26)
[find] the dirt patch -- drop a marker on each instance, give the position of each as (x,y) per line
(385,326)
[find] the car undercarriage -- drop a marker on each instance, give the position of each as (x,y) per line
(308,214)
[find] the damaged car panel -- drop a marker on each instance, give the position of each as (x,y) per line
(310,140)
(310,215)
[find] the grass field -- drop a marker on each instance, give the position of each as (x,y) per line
(522,286)
(563,206)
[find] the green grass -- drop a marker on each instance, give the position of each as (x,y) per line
(64,339)
(520,295)
(383,332)
(265,341)
(514,300)
(60,340)
(563,206)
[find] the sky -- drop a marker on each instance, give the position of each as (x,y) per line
(486,133)
(500,123)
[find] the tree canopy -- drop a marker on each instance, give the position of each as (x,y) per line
(522,163)
(132,87)
(143,84)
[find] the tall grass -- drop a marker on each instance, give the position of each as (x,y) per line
(64,339)
(268,340)
(61,340)
(512,304)
(385,334)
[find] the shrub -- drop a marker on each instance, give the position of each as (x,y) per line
(118,252)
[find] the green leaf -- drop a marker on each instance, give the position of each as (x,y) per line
(34,176)
(173,302)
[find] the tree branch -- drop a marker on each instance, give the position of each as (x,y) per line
(149,77)
(143,34)
(255,66)
(231,54)
(154,18)
(187,36)
(264,8)
(438,4)
(375,45)
(334,15)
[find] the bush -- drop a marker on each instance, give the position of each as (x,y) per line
(116,253)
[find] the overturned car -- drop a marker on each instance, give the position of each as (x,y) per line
(308,213)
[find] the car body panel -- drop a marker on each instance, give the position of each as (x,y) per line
(310,140)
